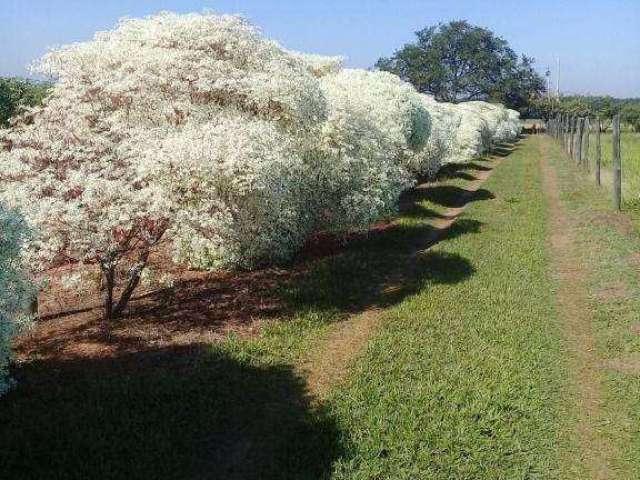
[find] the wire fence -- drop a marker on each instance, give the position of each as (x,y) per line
(576,135)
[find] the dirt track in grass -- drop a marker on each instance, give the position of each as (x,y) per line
(576,317)
(329,364)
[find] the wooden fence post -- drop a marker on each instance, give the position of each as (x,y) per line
(585,147)
(598,150)
(576,138)
(571,133)
(560,128)
(617,168)
(578,146)
(558,125)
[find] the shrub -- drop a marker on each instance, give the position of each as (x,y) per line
(376,128)
(473,136)
(75,165)
(445,123)
(319,65)
(509,130)
(15,289)
(240,184)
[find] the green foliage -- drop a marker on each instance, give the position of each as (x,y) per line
(604,107)
(16,93)
(460,62)
(15,289)
(630,113)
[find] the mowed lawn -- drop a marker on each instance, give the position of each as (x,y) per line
(462,379)
(466,378)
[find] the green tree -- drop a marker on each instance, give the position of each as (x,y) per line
(605,107)
(630,114)
(459,62)
(16,93)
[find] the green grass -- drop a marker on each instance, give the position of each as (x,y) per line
(462,381)
(630,157)
(610,249)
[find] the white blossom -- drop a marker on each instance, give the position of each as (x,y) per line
(15,289)
(238,186)
(76,166)
(319,65)
(376,128)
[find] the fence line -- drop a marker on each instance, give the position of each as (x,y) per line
(573,132)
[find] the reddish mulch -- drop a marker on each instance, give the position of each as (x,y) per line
(199,307)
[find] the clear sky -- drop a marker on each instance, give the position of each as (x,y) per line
(598,41)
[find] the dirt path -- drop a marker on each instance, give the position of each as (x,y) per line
(330,362)
(573,309)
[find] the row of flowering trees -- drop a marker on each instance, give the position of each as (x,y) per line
(197,130)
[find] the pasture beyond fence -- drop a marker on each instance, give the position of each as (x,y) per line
(574,134)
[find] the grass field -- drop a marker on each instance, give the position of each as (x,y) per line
(630,151)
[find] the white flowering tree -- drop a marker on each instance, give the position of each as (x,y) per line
(15,290)
(482,125)
(440,148)
(319,65)
(242,187)
(473,136)
(76,166)
(509,129)
(376,128)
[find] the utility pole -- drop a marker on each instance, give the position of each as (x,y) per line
(558,80)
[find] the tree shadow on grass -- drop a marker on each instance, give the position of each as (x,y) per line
(455,197)
(504,149)
(463,171)
(174,413)
(383,269)
(390,263)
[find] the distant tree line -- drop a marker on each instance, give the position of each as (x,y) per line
(18,93)
(605,107)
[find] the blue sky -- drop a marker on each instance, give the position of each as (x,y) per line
(598,41)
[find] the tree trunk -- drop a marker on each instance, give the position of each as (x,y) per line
(108,281)
(132,283)
(33,306)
